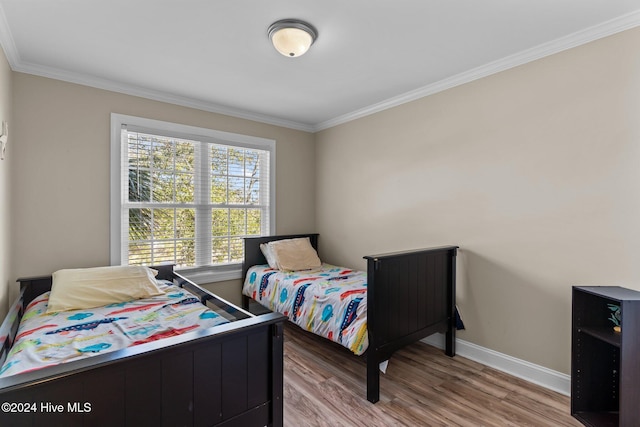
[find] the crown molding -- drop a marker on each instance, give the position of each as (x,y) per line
(578,38)
(596,32)
(155,95)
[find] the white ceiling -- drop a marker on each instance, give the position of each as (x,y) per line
(370,54)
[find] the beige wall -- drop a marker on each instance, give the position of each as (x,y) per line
(5,187)
(534,172)
(61,170)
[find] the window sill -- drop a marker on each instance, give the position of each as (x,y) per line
(202,276)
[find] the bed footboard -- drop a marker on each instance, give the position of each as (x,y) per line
(411,295)
(232,378)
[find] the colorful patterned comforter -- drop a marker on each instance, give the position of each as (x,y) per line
(330,302)
(48,339)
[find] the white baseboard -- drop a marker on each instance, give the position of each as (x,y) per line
(533,373)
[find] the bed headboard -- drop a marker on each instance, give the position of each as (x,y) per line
(253,255)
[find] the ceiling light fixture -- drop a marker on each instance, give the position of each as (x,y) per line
(292,37)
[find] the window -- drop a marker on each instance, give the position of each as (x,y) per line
(187,195)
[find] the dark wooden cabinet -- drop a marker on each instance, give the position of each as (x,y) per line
(605,364)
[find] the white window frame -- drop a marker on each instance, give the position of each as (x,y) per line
(208,274)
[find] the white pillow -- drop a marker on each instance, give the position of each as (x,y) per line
(81,288)
(268,254)
(294,254)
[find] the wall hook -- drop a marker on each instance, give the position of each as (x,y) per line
(3,139)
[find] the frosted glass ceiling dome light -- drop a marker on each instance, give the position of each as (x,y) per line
(292,37)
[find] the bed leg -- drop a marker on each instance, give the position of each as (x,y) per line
(373,379)
(277,379)
(450,336)
(450,342)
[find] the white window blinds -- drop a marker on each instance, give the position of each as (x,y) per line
(190,199)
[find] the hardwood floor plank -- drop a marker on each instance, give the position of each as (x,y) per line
(301,410)
(325,385)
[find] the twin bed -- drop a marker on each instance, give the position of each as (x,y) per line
(219,365)
(402,298)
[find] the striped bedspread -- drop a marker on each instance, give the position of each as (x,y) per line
(46,339)
(330,301)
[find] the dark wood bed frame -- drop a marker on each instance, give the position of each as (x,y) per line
(410,295)
(229,375)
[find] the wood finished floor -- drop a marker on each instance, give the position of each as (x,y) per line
(324,385)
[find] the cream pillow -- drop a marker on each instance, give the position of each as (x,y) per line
(81,288)
(295,254)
